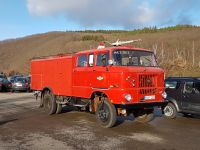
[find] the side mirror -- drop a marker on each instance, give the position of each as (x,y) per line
(110,62)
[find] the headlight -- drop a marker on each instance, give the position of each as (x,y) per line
(164,95)
(128,97)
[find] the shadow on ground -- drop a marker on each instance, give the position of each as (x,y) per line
(7,121)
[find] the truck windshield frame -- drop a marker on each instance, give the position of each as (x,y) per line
(128,57)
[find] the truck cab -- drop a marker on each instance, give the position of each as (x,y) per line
(129,78)
(183,94)
(126,75)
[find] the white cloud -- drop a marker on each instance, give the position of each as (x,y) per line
(51,7)
(124,13)
(147,13)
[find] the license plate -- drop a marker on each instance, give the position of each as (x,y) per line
(149,97)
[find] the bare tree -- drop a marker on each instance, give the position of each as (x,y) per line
(193,54)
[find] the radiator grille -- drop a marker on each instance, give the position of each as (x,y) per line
(148,91)
(147,83)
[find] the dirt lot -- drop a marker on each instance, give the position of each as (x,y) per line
(25,126)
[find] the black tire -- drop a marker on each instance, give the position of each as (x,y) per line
(170,111)
(59,109)
(106,113)
(49,103)
(145,116)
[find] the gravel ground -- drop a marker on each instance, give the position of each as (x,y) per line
(23,125)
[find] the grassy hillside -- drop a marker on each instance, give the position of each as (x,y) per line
(177,48)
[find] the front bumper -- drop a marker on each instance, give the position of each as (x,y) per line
(20,88)
(141,105)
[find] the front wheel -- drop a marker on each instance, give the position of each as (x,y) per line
(106,113)
(170,111)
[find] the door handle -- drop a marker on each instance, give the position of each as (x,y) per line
(93,70)
(185,96)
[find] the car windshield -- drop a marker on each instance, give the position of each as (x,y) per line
(133,58)
(23,80)
(2,76)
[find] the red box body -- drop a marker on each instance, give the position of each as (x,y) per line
(54,73)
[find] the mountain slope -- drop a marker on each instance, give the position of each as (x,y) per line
(178,51)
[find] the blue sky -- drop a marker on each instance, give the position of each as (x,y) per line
(16,21)
(25,17)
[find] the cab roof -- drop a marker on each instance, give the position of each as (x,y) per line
(68,55)
(112,48)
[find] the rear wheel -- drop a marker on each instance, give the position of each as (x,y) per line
(106,113)
(170,111)
(144,116)
(49,103)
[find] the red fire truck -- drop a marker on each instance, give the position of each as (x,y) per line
(109,82)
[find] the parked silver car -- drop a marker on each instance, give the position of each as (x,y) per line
(20,84)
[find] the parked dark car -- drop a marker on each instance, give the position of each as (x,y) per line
(2,76)
(1,85)
(5,85)
(28,78)
(20,84)
(183,94)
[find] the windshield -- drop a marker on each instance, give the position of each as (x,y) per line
(133,58)
(2,76)
(23,80)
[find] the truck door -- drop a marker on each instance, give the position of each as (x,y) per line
(191,96)
(81,77)
(174,90)
(100,75)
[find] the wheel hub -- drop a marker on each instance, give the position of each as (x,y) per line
(103,114)
(168,111)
